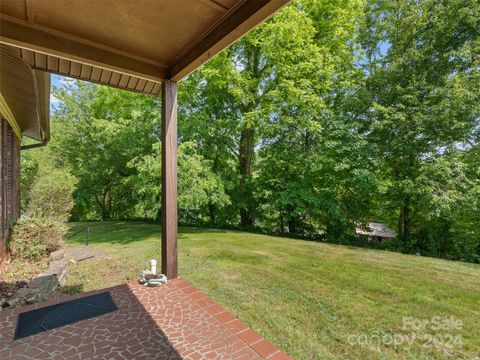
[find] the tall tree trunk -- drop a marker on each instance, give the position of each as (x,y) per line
(101,202)
(292,220)
(247,136)
(292,226)
(404,223)
(281,222)
(247,148)
(211,211)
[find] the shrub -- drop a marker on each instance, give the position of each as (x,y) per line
(35,238)
(51,195)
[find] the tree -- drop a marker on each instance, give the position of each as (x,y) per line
(96,132)
(198,185)
(330,114)
(46,187)
(50,196)
(422,64)
(238,103)
(308,167)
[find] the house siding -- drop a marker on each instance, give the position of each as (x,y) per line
(9,184)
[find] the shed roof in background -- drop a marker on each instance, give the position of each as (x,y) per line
(376,229)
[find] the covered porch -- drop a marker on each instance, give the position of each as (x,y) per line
(175,321)
(145,47)
(141,46)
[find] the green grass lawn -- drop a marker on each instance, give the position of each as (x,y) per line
(313,300)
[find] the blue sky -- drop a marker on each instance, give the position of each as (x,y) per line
(57,81)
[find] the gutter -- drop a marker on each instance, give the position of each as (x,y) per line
(33,146)
(8,115)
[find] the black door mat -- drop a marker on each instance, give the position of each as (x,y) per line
(54,316)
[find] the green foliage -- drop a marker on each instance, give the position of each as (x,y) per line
(29,170)
(35,238)
(261,109)
(99,130)
(423,95)
(198,187)
(50,195)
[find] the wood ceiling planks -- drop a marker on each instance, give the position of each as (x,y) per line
(144,39)
(91,73)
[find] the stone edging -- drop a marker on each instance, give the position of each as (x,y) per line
(44,285)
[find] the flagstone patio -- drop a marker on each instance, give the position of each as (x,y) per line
(175,321)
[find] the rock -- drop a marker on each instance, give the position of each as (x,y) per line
(30,296)
(25,293)
(57,255)
(43,280)
(14,303)
(144,274)
(44,285)
(148,278)
(62,277)
(41,288)
(56,267)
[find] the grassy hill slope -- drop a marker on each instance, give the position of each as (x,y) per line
(313,300)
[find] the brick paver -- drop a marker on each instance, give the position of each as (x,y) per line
(175,321)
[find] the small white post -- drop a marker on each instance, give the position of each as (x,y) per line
(153,266)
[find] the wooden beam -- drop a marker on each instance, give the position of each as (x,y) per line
(215,5)
(169,179)
(232,28)
(31,37)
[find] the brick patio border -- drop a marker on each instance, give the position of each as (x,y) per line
(240,333)
(239,328)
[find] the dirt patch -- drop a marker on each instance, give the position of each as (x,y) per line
(231,276)
(26,282)
(7,290)
(17,275)
(267,254)
(84,252)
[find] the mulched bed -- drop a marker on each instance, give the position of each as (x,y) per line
(17,275)
(7,290)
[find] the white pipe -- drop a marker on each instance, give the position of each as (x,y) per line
(153,266)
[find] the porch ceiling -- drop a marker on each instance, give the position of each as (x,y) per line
(128,44)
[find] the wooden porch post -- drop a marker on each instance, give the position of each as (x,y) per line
(169,179)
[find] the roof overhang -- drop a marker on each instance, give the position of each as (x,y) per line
(24,96)
(132,45)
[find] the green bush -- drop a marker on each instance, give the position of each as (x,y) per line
(35,238)
(51,195)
